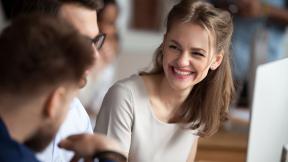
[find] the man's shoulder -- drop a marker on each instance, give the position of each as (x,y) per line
(75,105)
(77,119)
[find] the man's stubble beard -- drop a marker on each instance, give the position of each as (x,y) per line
(40,140)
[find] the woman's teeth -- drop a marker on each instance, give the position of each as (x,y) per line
(179,72)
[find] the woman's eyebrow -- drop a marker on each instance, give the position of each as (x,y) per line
(175,42)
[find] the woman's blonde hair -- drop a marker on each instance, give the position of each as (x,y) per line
(207,104)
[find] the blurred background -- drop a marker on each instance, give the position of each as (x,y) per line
(139,27)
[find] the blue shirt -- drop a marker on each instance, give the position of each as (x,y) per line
(12,151)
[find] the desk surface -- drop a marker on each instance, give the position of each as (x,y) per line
(224,146)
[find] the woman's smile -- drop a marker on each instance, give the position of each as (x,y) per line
(181,73)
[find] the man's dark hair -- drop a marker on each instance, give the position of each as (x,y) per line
(26,7)
(91,4)
(100,12)
(39,51)
(106,2)
(50,7)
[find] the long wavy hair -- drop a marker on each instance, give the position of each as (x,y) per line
(207,104)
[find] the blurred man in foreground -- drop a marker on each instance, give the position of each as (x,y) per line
(41,69)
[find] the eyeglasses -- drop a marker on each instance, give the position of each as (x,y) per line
(98,40)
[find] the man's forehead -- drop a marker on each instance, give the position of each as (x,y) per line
(84,19)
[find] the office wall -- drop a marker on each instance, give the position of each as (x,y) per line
(137,46)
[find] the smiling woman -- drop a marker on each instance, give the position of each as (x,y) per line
(187,56)
(186,95)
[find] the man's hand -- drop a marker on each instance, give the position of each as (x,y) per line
(87,145)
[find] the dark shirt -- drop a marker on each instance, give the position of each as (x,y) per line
(12,151)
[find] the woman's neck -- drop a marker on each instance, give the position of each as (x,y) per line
(173,99)
(165,100)
(161,92)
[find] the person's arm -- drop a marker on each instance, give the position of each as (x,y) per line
(86,146)
(115,118)
(193,151)
(276,14)
(254,8)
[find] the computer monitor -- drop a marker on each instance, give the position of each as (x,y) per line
(269,114)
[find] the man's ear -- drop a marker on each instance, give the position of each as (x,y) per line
(53,102)
(217,60)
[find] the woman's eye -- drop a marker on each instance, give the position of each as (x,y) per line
(173,47)
(198,54)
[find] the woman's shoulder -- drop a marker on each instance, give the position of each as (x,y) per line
(131,83)
(128,80)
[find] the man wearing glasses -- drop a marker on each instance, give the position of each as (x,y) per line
(82,15)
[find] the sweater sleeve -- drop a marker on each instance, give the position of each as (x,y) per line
(115,118)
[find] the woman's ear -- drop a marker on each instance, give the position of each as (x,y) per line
(53,102)
(217,60)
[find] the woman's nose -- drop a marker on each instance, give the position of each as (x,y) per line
(184,59)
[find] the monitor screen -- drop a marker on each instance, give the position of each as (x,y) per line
(269,115)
